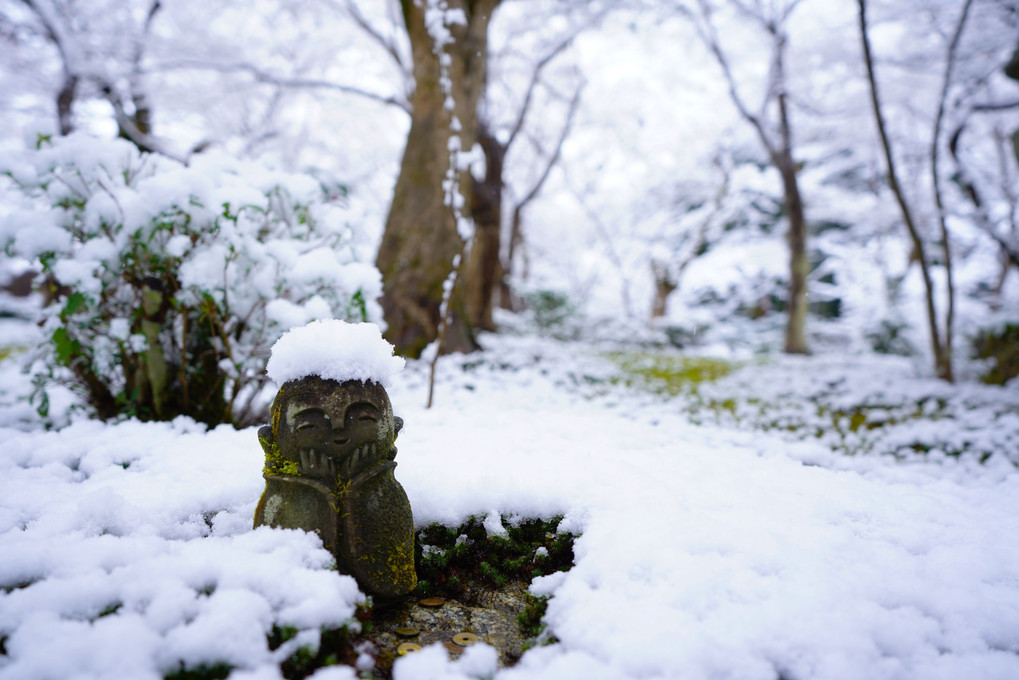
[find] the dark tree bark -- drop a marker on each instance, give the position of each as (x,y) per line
(65,104)
(942,359)
(799,267)
(421,238)
(796,236)
(483,269)
(780,152)
(665,284)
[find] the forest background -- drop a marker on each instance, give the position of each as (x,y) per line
(750,174)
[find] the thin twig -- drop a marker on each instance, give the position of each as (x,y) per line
(938,201)
(893,181)
(262,76)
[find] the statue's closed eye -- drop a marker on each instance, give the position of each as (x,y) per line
(311,418)
(362,412)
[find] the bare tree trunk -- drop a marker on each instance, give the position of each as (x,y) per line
(799,267)
(507,298)
(664,285)
(945,370)
(780,152)
(65,103)
(68,91)
(482,268)
(421,237)
(942,360)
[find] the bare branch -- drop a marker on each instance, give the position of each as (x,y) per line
(142,140)
(935,157)
(539,67)
(969,188)
(787,12)
(516,237)
(943,368)
(51,32)
(556,154)
(153,9)
(709,35)
(755,14)
(605,234)
(995,106)
(388,45)
(299,83)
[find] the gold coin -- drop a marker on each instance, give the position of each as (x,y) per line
(465,639)
(432,602)
(406,632)
(407,648)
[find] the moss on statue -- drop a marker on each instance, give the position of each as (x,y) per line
(329,465)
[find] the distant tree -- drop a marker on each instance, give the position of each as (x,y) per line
(984,112)
(442,213)
(700,225)
(101,48)
(772,123)
(429,217)
(969,61)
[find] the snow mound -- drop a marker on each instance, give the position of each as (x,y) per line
(335,350)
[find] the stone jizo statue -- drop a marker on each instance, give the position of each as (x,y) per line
(329,462)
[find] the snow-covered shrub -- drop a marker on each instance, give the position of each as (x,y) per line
(170,283)
(552,312)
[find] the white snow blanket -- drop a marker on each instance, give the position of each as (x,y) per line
(127,550)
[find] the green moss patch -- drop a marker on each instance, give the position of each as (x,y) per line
(843,411)
(335,647)
(451,561)
(670,373)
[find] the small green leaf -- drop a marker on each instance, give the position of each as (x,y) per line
(66,347)
(75,301)
(43,409)
(357,302)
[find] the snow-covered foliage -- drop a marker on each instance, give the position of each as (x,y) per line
(148,563)
(126,549)
(334,350)
(165,276)
(659,165)
(858,406)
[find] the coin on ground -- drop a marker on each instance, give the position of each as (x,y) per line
(432,602)
(407,632)
(464,639)
(407,648)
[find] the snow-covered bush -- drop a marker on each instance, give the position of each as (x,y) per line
(169,282)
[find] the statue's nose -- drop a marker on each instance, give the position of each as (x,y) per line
(340,436)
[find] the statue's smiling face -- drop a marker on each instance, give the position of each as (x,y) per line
(329,427)
(332,428)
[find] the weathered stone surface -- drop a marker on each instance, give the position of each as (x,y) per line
(329,465)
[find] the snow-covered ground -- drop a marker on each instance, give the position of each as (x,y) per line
(705,551)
